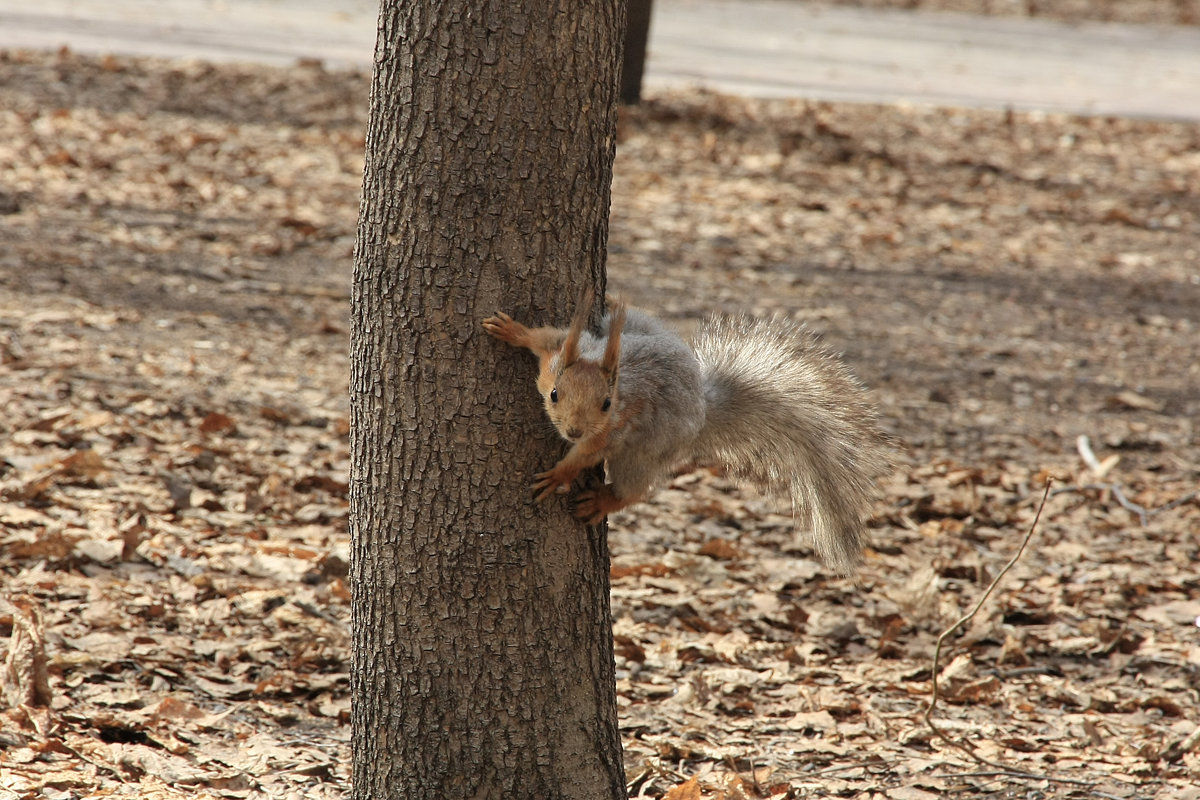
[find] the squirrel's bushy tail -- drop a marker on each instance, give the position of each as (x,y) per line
(788,416)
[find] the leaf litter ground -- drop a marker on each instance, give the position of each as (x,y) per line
(174,269)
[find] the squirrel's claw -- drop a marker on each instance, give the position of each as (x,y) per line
(593,505)
(585,508)
(556,480)
(549,483)
(501,326)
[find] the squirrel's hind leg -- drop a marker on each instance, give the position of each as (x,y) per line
(593,505)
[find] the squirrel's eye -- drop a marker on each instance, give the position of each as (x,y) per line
(607,404)
(554,395)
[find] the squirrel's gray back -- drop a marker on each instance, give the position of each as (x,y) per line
(660,377)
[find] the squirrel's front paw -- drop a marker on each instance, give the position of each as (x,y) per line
(553,481)
(504,328)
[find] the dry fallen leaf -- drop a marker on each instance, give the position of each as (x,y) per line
(1133,400)
(688,790)
(26,675)
(216,422)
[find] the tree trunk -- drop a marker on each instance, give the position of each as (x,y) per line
(637,34)
(482,659)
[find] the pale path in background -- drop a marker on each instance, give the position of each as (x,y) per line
(763,48)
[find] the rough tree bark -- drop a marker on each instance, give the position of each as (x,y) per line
(481,647)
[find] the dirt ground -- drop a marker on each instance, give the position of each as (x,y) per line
(175,255)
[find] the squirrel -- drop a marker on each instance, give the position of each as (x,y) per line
(760,397)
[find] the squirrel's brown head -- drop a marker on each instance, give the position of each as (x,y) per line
(581,393)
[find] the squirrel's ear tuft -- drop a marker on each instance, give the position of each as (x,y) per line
(612,349)
(570,348)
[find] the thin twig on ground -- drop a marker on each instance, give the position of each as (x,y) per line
(1115,490)
(1100,469)
(1000,769)
(1143,513)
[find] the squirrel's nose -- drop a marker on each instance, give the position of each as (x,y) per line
(574,433)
